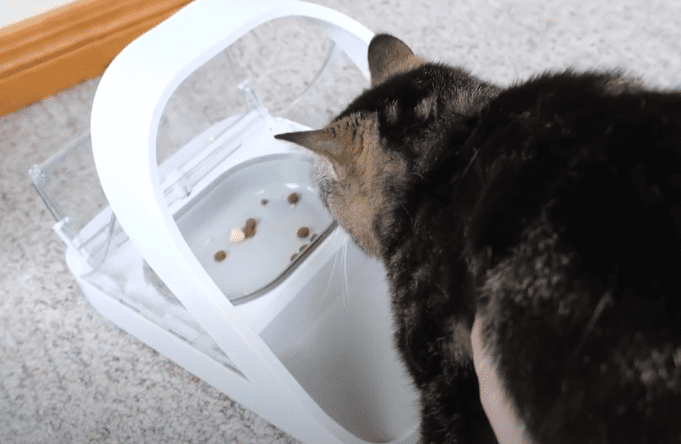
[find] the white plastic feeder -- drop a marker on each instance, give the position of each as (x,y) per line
(287,337)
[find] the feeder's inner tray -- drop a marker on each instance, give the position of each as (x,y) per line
(255,223)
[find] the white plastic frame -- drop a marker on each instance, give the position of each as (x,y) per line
(125,118)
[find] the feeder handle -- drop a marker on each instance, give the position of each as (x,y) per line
(125,117)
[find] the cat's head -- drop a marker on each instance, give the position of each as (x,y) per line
(390,135)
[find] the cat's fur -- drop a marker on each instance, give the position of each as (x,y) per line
(551,210)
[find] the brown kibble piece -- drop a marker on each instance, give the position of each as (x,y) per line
(303,248)
(303,232)
(249,229)
(263,202)
(313,237)
(293,258)
(293,198)
(220,256)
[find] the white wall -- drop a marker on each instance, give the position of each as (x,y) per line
(12,11)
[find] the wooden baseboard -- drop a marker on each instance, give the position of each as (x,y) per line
(61,48)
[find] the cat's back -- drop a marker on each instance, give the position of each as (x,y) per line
(603,165)
(575,237)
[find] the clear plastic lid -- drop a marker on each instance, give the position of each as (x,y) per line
(286,72)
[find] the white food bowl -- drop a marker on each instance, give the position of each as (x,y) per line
(276,322)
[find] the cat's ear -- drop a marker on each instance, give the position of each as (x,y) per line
(335,142)
(319,141)
(389,55)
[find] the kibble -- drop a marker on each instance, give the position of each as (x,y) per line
(236,235)
(303,248)
(303,232)
(293,198)
(220,256)
(249,229)
(293,258)
(313,237)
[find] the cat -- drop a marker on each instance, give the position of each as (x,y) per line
(547,212)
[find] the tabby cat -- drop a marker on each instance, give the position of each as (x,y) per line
(548,213)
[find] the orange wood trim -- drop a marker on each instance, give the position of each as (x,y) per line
(61,48)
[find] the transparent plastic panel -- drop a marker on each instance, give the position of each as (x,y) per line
(335,86)
(282,59)
(256,224)
(277,75)
(209,95)
(69,186)
(284,74)
(297,71)
(286,67)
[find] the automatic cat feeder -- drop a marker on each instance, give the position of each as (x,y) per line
(268,319)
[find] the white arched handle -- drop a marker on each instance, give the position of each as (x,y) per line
(125,118)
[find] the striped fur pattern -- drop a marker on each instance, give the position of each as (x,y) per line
(550,210)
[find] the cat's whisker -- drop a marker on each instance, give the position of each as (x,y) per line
(345,268)
(333,271)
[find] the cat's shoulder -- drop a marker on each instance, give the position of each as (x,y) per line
(568,90)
